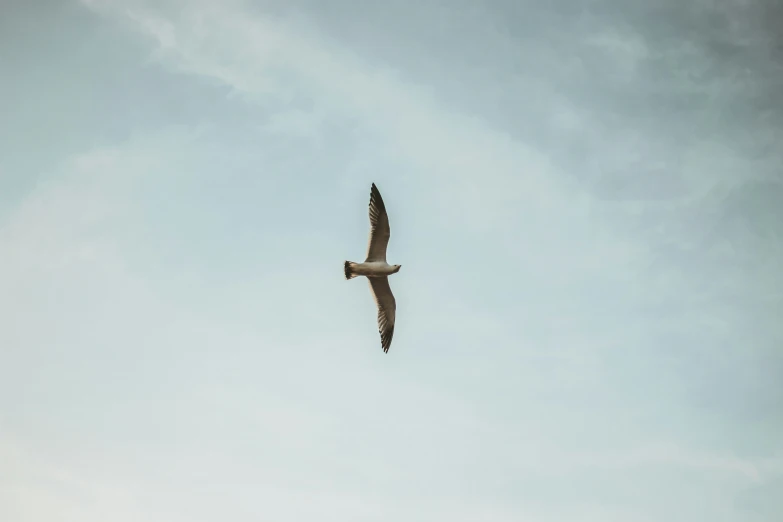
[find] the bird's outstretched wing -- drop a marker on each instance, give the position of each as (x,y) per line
(379,227)
(387,309)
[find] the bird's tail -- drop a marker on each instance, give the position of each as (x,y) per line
(349,266)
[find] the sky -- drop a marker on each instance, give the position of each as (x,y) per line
(586,198)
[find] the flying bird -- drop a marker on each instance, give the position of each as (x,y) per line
(376,269)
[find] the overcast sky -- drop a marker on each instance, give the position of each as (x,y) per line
(586,198)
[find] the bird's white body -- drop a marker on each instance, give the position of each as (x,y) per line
(374,269)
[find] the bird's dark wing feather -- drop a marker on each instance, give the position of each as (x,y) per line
(387,309)
(379,227)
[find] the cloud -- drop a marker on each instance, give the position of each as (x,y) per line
(173,333)
(259,55)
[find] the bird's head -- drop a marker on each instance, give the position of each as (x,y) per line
(397,268)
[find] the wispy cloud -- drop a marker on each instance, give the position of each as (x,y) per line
(257,55)
(573,344)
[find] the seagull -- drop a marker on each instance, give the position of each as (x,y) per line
(377,270)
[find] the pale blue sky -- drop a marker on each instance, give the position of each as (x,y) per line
(586,198)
